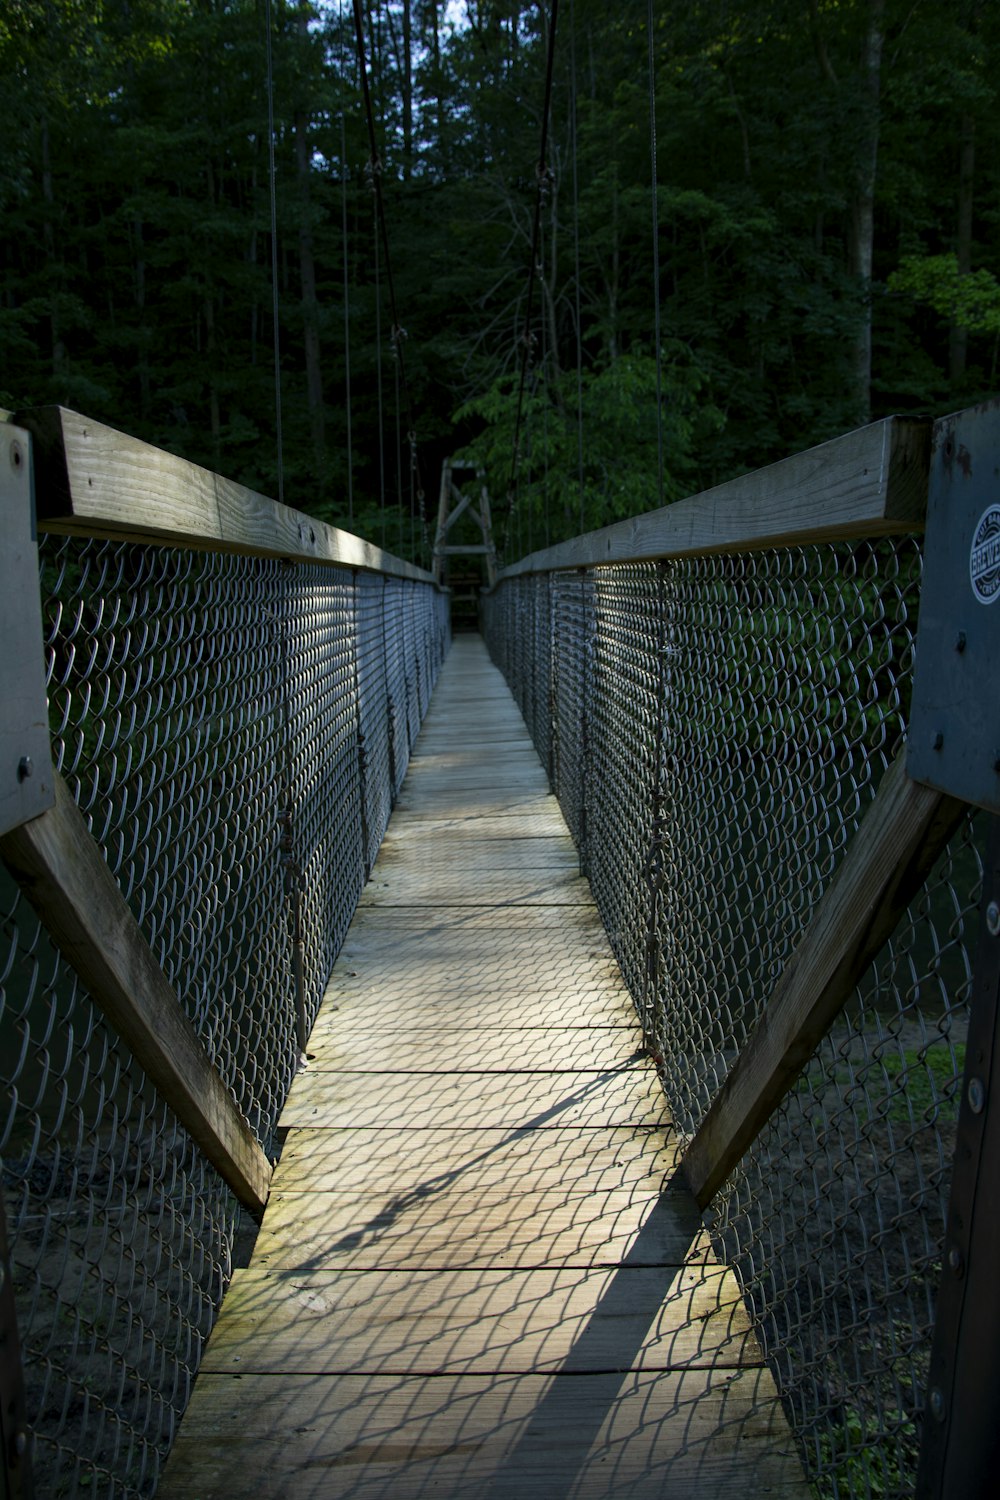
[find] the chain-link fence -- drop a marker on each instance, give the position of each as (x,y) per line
(716,727)
(235,730)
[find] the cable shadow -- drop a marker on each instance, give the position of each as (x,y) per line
(390,1214)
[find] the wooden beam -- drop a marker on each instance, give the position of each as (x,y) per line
(868,483)
(890,857)
(94,481)
(63,874)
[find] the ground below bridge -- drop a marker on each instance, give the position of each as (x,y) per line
(478,1277)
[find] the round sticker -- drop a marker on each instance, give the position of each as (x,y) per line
(984,558)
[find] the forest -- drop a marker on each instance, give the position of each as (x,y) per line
(759,224)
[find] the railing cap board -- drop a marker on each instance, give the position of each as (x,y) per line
(868,483)
(92,480)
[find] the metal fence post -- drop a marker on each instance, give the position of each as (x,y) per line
(960,1451)
(13,1416)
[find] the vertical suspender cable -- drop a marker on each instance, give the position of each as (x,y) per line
(381,228)
(399,448)
(378,382)
(347,304)
(542,176)
(656,250)
(274,250)
(576,260)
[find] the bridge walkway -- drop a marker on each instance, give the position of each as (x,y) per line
(477,1275)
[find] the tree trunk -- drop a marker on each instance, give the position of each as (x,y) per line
(863,215)
(959,338)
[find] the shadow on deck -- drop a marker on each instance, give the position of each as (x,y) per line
(478,1275)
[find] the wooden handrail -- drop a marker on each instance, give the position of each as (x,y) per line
(92,480)
(64,875)
(868,483)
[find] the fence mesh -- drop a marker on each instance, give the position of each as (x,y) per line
(231,731)
(718,727)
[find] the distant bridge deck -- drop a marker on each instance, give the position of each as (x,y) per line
(476,1275)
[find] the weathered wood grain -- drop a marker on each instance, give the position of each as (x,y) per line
(872,482)
(92,480)
(478,1322)
(577,1159)
(63,874)
(628,1094)
(890,857)
(416,1049)
(441,1225)
(690,1435)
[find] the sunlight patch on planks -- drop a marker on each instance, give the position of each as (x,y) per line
(479,1274)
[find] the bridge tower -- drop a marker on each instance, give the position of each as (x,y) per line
(474,502)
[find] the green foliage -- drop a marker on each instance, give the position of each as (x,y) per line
(136,247)
(930,1080)
(620,463)
(970,299)
(857,1460)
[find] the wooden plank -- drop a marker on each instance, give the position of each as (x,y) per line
(890,857)
(382,1004)
(467,802)
(689,1435)
(581,1158)
(621,1096)
(475,884)
(536,852)
(475,1322)
(414,1049)
(94,481)
(449,1226)
(64,876)
(868,483)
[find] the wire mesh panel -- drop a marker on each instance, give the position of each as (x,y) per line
(395,657)
(373,708)
(623,747)
(165,685)
(572,634)
(729,719)
(324,765)
(835,1220)
(204,710)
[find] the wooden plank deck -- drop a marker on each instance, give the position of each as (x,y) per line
(478,1277)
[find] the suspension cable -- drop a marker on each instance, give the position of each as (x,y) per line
(274,251)
(375,167)
(576,260)
(656,251)
(542,176)
(347,304)
(378,382)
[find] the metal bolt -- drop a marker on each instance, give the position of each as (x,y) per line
(956,1261)
(938,739)
(976,1095)
(24,768)
(21,1443)
(937,1403)
(960,641)
(993,919)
